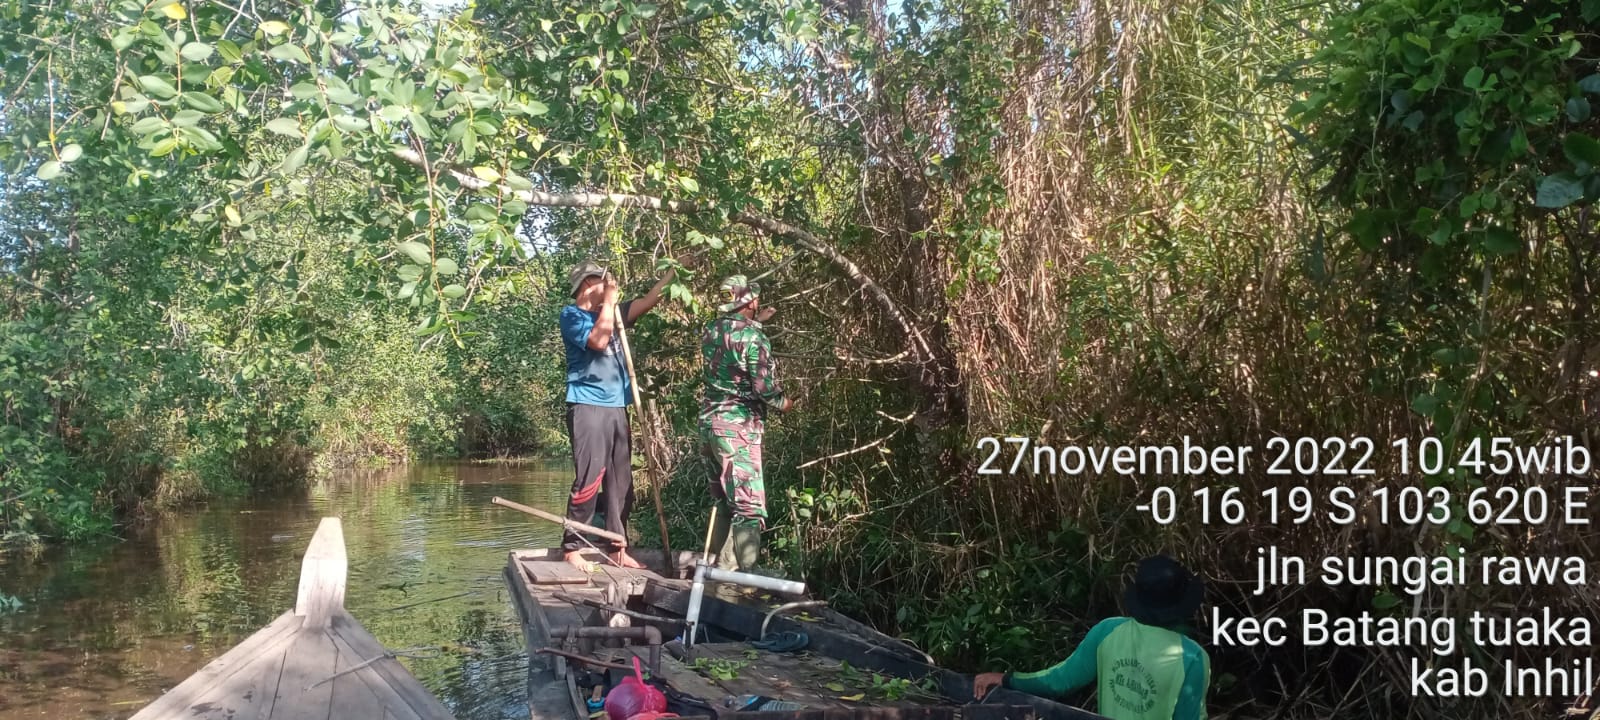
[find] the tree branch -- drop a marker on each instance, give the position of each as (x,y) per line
(799,237)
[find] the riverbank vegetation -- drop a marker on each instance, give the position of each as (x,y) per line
(243,242)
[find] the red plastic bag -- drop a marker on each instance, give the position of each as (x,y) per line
(633,698)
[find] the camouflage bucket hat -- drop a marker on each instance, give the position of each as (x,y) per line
(739,291)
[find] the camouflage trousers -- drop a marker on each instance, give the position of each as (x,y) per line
(734,452)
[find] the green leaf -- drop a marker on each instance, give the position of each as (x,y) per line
(1418,41)
(164,148)
(230,51)
(420,126)
(196,52)
(288,127)
(1474,78)
(645,10)
(328,342)
(296,159)
(453,291)
(1590,84)
(158,87)
(202,102)
(349,123)
(1424,404)
(304,90)
(1579,110)
(123,40)
(1559,191)
(302,346)
(1384,600)
(273,27)
(71,152)
(410,273)
(146,126)
(1581,148)
(1501,241)
(446,267)
(50,170)
(486,173)
(689,184)
(534,108)
(186,118)
(343,96)
(419,253)
(621,75)
(291,52)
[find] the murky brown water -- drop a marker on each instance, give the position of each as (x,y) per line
(105,629)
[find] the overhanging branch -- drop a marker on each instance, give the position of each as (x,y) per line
(799,237)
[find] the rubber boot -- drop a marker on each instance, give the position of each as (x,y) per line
(746,542)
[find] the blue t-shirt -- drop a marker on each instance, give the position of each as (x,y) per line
(594,377)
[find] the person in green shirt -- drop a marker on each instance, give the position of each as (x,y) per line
(1146,667)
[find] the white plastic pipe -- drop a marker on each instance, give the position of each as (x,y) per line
(704,573)
(777,585)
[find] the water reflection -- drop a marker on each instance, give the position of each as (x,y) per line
(103,630)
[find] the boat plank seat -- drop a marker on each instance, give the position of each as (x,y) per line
(314,661)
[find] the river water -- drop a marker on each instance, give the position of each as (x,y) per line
(105,628)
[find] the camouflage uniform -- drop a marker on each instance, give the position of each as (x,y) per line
(740,383)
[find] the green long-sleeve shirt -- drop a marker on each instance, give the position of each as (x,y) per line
(1145,672)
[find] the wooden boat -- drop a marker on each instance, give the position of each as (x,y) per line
(584,630)
(314,661)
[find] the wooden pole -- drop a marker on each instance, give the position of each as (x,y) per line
(638,411)
(557,519)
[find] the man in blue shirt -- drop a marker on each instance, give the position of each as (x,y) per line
(598,394)
(1147,669)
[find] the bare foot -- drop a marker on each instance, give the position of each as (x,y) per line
(623,559)
(575,559)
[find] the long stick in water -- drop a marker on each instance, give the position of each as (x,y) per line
(655,485)
(557,519)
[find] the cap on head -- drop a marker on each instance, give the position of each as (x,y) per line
(1163,592)
(739,292)
(587,269)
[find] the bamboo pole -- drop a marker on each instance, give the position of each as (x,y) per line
(564,522)
(649,457)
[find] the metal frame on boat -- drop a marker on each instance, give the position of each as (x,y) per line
(583,629)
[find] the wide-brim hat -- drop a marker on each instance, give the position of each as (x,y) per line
(584,271)
(1163,592)
(739,292)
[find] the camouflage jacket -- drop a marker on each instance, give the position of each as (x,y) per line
(740,379)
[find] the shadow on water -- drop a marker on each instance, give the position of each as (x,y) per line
(104,630)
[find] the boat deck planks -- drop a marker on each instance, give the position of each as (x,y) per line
(289,670)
